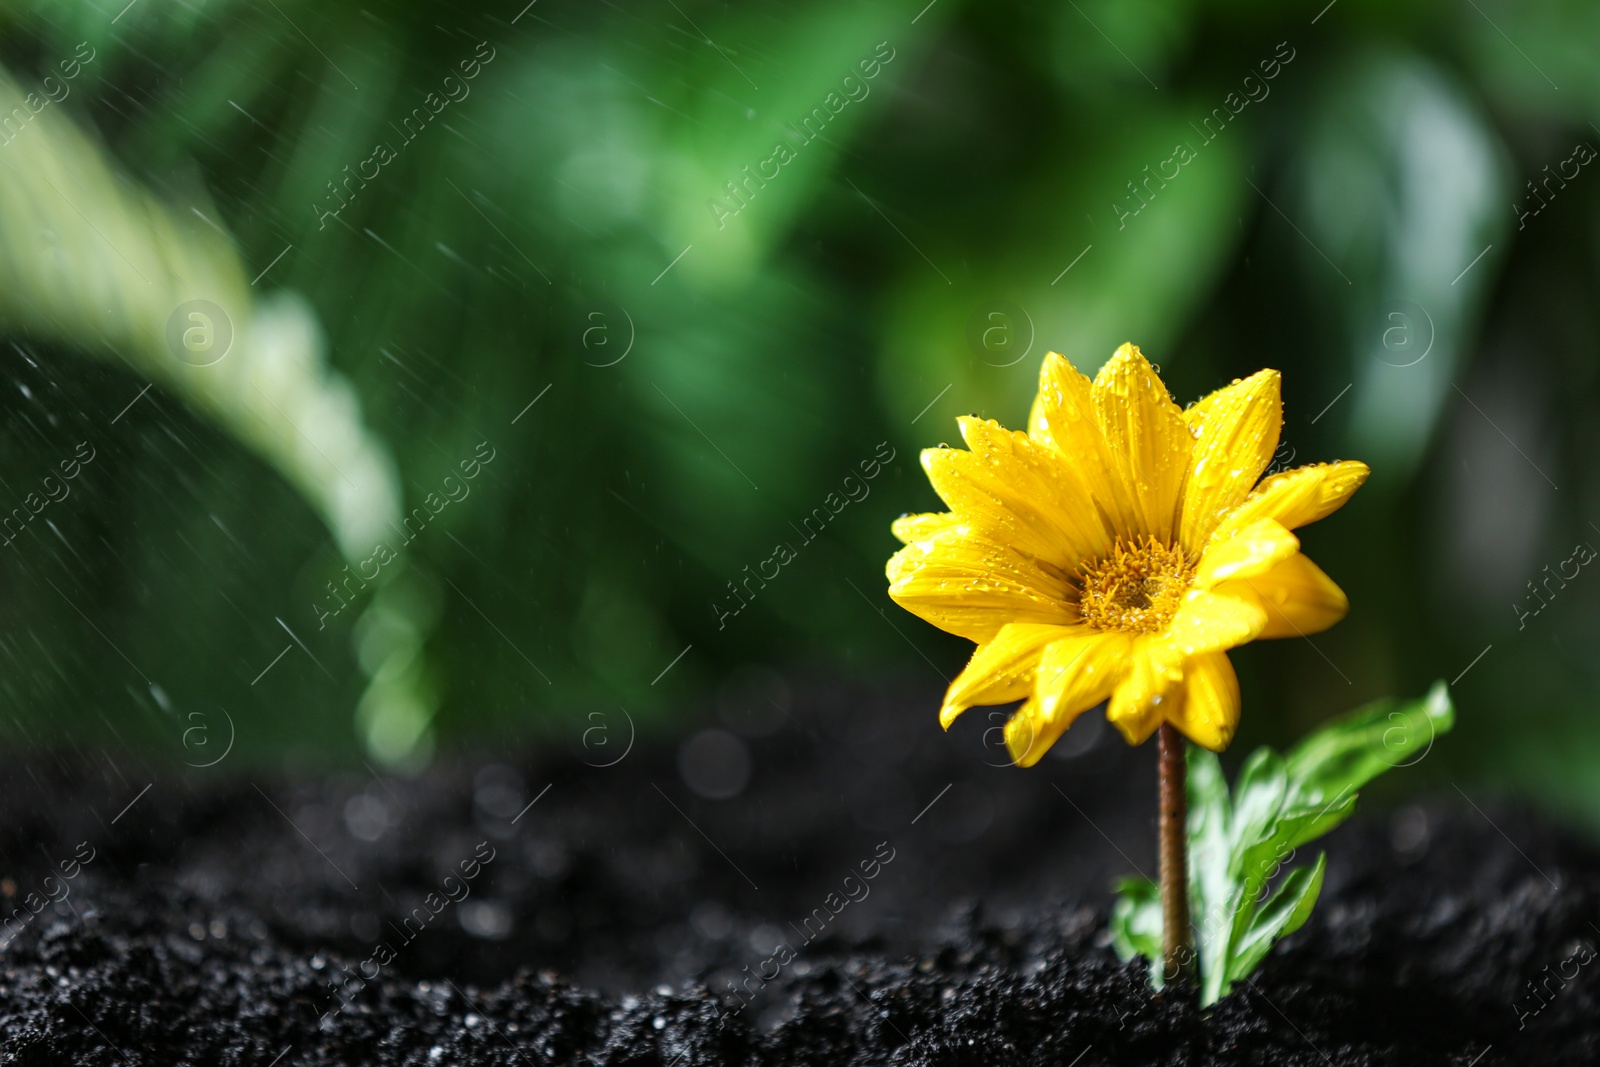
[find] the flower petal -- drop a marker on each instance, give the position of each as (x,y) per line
(1298,598)
(1209,711)
(1147,693)
(1298,497)
(1236,431)
(968,585)
(1018,493)
(1212,621)
(1149,441)
(1078,672)
(909,528)
(1074,675)
(1063,419)
(1254,550)
(1001,670)
(1025,735)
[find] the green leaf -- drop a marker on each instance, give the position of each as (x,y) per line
(1285,912)
(1210,851)
(1238,845)
(1136,923)
(1260,862)
(1258,796)
(1345,755)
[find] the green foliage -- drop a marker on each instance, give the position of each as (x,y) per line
(1136,923)
(1243,895)
(999,145)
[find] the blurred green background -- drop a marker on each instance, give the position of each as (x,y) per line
(414,220)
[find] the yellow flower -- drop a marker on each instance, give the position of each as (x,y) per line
(1116,551)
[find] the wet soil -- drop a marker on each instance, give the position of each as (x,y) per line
(867,891)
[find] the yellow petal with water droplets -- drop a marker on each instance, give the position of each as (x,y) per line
(1298,598)
(1254,550)
(1002,670)
(1149,691)
(1079,671)
(1209,711)
(1236,432)
(1149,441)
(968,585)
(1298,497)
(1027,736)
(1063,419)
(1018,493)
(909,528)
(1074,674)
(1211,621)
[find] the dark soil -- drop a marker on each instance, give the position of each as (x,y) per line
(225,919)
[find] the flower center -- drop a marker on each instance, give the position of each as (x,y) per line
(1137,588)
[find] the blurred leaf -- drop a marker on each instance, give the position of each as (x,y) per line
(1103,48)
(1536,57)
(1076,266)
(93,262)
(1136,924)
(750,135)
(1400,185)
(100,264)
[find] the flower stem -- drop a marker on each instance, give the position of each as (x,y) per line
(1176,937)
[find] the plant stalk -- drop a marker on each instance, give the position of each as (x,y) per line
(1176,936)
